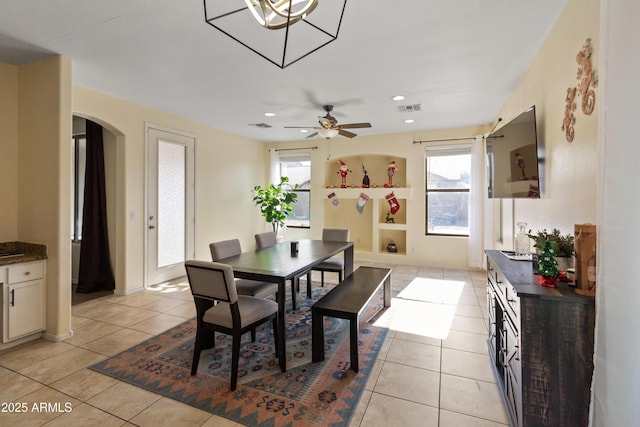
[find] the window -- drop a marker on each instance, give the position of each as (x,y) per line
(78,162)
(298,169)
(448,170)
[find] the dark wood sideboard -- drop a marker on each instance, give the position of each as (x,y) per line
(540,344)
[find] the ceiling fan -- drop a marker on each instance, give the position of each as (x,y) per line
(329,126)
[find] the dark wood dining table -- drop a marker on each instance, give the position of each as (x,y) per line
(277,264)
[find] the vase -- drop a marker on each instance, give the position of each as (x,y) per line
(522,241)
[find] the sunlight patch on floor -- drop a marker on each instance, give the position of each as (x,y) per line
(171,286)
(433,290)
(425,307)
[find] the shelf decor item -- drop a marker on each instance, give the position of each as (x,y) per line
(586,245)
(522,241)
(547,266)
(393,203)
(365,179)
(362,200)
(344,171)
(391,247)
(275,202)
(335,202)
(391,170)
(562,244)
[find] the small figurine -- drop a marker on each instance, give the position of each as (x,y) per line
(391,170)
(344,171)
(389,219)
(365,179)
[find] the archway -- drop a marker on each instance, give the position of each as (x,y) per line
(113,155)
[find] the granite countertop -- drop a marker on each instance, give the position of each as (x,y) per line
(17,252)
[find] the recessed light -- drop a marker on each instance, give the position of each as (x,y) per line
(304,130)
(409,121)
(398,98)
(269,114)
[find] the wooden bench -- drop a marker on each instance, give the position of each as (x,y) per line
(347,301)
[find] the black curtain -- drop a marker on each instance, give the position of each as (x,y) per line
(95,267)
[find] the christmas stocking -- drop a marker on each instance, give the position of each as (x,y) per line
(334,200)
(361,202)
(393,203)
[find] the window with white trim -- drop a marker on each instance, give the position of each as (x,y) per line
(448,180)
(297,167)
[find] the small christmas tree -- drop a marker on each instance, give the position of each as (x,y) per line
(547,265)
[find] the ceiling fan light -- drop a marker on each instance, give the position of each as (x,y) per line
(327,133)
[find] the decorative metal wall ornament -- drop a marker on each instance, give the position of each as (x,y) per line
(281,31)
(587,78)
(587,81)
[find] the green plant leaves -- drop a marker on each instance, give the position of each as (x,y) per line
(274,201)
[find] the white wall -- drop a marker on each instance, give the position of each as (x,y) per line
(421,249)
(569,178)
(617,373)
(227,168)
(9,149)
(44,176)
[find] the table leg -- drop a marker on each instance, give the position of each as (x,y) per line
(317,336)
(348,262)
(387,292)
(354,326)
(282,350)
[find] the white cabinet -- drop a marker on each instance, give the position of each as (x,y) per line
(23,295)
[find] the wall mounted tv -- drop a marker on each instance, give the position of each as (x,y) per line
(513,159)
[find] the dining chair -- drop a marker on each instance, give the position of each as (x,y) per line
(254,288)
(219,308)
(334,264)
(268,239)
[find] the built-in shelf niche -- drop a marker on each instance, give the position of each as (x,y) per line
(368,229)
(399,217)
(346,215)
(399,237)
(375,165)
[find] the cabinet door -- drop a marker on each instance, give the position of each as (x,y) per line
(491,307)
(513,373)
(25,304)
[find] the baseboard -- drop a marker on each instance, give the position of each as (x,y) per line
(130,292)
(57,338)
(19,341)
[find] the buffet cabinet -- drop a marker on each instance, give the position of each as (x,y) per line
(540,344)
(23,296)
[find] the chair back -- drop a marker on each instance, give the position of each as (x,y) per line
(225,249)
(211,280)
(335,234)
(266,239)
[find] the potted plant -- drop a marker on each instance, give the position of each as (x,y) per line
(561,244)
(275,202)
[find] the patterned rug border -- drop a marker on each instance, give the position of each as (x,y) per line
(333,407)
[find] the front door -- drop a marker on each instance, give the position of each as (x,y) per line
(170,204)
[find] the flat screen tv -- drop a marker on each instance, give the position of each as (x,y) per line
(513,159)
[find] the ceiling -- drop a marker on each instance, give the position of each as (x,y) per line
(458,60)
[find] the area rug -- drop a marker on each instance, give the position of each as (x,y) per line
(308,394)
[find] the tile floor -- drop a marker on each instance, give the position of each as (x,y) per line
(432,371)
